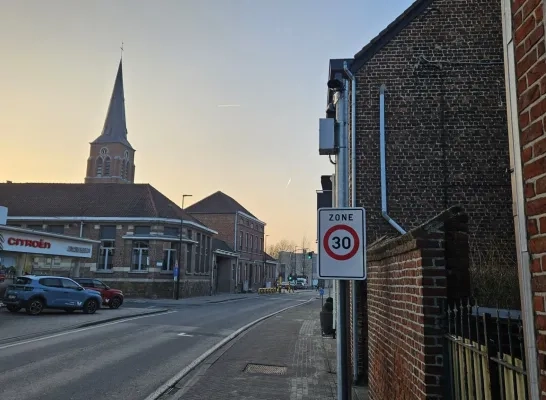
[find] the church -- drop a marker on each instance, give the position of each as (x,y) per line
(140,236)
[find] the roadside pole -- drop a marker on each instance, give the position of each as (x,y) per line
(342,229)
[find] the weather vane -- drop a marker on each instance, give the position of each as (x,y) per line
(121,47)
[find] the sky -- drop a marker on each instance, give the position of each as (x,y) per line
(181,60)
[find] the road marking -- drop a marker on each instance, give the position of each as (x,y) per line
(171,382)
(184,334)
(82,329)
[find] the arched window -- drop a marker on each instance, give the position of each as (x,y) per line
(107,166)
(99,166)
(127,167)
(122,173)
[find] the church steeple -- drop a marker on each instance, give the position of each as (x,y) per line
(111,157)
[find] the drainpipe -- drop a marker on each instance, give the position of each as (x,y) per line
(520,222)
(236,250)
(353,204)
(81,228)
(383,162)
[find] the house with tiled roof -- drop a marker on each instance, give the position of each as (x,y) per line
(243,232)
(141,236)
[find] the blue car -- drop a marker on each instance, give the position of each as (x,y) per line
(36,293)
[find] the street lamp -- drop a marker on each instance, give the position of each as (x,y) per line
(180,249)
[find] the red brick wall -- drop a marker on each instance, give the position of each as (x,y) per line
(407,288)
(529,44)
(224,224)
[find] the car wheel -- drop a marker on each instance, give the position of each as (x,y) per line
(35,307)
(69,310)
(90,306)
(13,308)
(115,303)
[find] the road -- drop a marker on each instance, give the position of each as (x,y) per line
(126,360)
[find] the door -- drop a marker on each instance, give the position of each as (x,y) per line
(73,294)
(53,291)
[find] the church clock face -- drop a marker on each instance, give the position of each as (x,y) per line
(104,151)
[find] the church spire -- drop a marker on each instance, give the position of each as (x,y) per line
(115,126)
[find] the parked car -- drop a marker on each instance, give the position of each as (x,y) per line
(112,298)
(36,293)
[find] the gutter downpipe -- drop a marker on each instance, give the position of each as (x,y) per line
(353,204)
(520,223)
(236,285)
(383,161)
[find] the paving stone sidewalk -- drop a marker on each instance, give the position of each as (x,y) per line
(291,340)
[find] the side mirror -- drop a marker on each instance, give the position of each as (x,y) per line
(80,288)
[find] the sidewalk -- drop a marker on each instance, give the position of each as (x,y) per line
(294,362)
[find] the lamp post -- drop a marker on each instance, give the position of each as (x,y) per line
(180,249)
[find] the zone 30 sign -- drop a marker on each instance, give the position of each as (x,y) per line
(342,243)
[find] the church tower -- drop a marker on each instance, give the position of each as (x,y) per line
(111,158)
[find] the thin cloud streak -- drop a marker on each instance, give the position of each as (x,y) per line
(228,105)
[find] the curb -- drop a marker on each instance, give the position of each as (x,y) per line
(195,363)
(15,339)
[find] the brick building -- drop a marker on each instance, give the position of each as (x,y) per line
(525,50)
(243,233)
(138,229)
(431,127)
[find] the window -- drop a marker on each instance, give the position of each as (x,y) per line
(85,282)
(189,253)
(169,259)
(189,258)
(107,163)
(261,244)
(170,231)
(56,229)
(246,241)
(51,282)
(99,167)
(127,167)
(69,284)
(122,172)
(198,253)
(98,284)
(241,241)
(107,247)
(142,230)
(207,254)
(140,255)
(203,253)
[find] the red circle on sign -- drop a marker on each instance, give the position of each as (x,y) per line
(326,240)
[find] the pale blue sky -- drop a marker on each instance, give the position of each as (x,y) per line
(182,58)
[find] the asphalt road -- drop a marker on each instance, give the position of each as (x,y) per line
(125,360)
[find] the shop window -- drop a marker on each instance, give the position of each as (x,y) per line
(140,255)
(169,258)
(142,230)
(56,229)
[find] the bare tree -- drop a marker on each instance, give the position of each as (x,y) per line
(282,245)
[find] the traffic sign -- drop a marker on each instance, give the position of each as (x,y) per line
(321,291)
(342,243)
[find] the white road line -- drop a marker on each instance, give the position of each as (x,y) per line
(184,334)
(82,330)
(171,382)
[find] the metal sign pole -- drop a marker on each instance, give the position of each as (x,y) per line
(342,186)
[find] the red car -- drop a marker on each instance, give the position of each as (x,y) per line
(112,298)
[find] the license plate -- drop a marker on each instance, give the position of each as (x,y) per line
(11,296)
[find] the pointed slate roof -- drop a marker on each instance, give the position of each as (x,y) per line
(115,125)
(217,203)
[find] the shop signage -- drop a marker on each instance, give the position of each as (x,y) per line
(31,243)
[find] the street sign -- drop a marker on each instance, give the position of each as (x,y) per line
(175,272)
(321,291)
(342,243)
